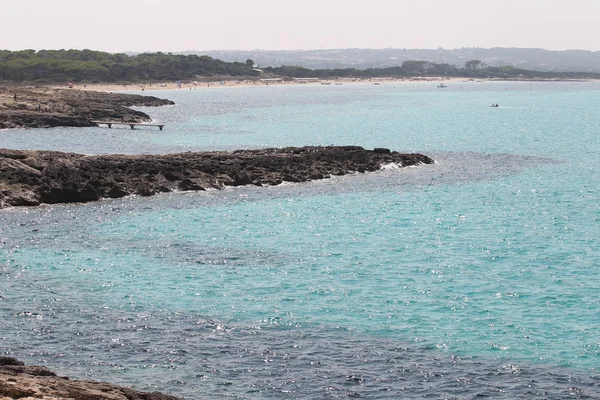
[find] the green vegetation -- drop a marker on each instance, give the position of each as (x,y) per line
(95,66)
(51,66)
(472,69)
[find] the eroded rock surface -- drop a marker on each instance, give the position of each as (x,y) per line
(18,381)
(30,178)
(43,107)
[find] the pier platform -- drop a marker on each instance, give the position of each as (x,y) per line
(131,124)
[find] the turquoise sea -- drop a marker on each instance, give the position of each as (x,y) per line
(477,276)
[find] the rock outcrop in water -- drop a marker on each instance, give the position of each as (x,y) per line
(29,178)
(43,107)
(36,382)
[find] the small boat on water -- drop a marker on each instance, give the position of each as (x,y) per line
(325,83)
(441,85)
(494,105)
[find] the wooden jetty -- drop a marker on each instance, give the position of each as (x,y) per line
(131,124)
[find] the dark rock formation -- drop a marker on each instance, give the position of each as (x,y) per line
(32,177)
(41,107)
(36,382)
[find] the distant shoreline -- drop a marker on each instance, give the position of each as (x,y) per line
(232,83)
(79,105)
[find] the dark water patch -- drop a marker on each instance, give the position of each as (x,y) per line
(196,357)
(58,265)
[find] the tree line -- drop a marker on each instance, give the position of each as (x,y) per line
(52,66)
(96,66)
(411,68)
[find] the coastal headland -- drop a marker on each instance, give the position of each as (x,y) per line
(30,178)
(18,381)
(45,107)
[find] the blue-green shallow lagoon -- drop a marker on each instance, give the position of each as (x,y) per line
(475,276)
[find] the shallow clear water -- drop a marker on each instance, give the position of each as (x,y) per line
(475,276)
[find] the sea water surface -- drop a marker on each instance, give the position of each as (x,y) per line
(473,277)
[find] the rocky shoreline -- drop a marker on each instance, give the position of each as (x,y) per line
(18,381)
(30,178)
(44,107)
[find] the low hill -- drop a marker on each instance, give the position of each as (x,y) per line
(52,66)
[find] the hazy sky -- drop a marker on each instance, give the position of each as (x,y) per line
(174,25)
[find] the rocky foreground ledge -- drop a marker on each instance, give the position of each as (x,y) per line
(44,107)
(36,382)
(29,178)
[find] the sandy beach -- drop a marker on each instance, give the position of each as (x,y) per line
(230,83)
(127,87)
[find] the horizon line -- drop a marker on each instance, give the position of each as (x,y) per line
(300,50)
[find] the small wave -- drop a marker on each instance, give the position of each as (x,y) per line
(398,166)
(391,167)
